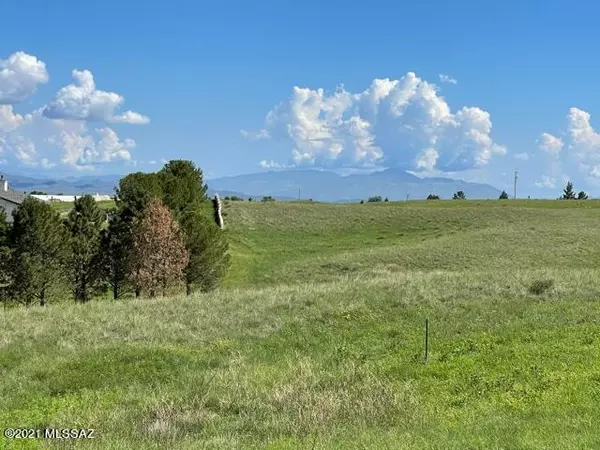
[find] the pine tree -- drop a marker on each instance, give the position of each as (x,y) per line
(207,247)
(582,195)
(182,187)
(4,227)
(38,241)
(135,193)
(84,224)
(115,253)
(159,253)
(503,196)
(568,192)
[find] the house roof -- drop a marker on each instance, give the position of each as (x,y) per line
(13,196)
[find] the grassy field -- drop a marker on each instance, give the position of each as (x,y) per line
(316,338)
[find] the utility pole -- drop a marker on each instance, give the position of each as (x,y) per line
(298,194)
(516,178)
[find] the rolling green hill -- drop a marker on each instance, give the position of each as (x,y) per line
(316,338)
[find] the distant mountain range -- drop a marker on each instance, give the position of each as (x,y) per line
(330,187)
(67,186)
(286,185)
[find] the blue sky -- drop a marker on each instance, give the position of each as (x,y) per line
(162,80)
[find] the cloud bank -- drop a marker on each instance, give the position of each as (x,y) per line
(61,127)
(575,154)
(402,123)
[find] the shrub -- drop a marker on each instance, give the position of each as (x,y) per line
(267,198)
(433,197)
(375,199)
(459,195)
(540,287)
(582,196)
(362,202)
(503,196)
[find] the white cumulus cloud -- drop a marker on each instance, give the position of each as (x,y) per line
(550,144)
(132,118)
(58,132)
(103,145)
(403,123)
(82,101)
(20,74)
(578,150)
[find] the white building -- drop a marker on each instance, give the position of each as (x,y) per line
(70,198)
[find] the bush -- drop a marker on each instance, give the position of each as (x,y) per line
(540,287)
(375,199)
(433,197)
(459,195)
(362,202)
(386,200)
(503,196)
(267,198)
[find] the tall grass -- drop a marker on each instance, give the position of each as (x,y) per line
(317,340)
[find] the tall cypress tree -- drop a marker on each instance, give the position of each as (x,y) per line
(84,224)
(38,240)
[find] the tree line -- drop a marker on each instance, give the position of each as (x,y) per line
(160,237)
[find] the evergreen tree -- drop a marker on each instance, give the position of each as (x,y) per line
(182,187)
(115,253)
(568,192)
(433,197)
(135,193)
(4,227)
(38,241)
(459,195)
(207,248)
(503,196)
(159,253)
(582,196)
(84,224)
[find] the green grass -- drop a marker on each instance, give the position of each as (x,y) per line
(65,207)
(316,339)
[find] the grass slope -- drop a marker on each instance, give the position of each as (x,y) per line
(316,339)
